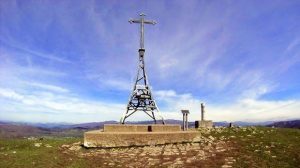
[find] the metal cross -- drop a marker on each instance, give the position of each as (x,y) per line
(142,21)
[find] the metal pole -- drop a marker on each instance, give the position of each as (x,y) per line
(142,32)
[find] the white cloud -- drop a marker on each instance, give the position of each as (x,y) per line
(117,84)
(10,94)
(69,106)
(165,93)
(111,82)
(166,62)
(22,49)
(246,109)
(64,104)
(45,56)
(256,110)
(49,87)
(256,92)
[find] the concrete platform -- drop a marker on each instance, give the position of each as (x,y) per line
(125,139)
(116,135)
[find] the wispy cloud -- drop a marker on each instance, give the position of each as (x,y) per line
(10,94)
(246,109)
(293,44)
(51,103)
(110,82)
(49,87)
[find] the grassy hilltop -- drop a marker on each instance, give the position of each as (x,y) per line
(219,147)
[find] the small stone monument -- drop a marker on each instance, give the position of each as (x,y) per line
(203,123)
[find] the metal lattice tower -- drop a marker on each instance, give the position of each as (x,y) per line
(141,98)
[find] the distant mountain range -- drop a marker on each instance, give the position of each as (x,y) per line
(286,124)
(17,129)
(283,124)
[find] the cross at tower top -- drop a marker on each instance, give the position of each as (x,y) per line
(142,21)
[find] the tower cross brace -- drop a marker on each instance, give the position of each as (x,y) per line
(141,98)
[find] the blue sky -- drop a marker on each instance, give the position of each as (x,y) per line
(75,61)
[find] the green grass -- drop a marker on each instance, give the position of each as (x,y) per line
(23,153)
(251,147)
(263,147)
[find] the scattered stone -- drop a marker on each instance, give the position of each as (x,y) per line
(65,146)
(211,138)
(32,138)
(178,162)
(172,155)
(77,143)
(37,144)
(272,144)
(48,146)
(75,148)
(168,163)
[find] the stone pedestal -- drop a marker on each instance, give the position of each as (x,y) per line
(203,124)
(138,135)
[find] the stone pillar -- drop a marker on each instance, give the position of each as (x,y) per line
(202,122)
(202,111)
(187,122)
(185,119)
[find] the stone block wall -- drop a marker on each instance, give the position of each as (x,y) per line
(141,128)
(203,124)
